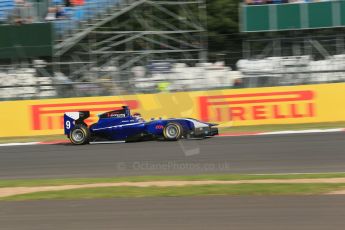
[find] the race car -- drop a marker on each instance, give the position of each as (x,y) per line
(120,125)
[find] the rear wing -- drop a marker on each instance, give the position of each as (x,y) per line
(73,118)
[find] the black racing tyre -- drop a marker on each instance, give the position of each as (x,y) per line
(172,132)
(80,135)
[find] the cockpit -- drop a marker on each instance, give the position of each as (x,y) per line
(138,117)
(122,113)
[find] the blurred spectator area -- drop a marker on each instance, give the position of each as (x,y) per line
(6,7)
(71,13)
(22,11)
(36,82)
(66,18)
(291,70)
(79,12)
(180,77)
(23,83)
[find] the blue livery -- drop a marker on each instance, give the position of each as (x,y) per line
(121,125)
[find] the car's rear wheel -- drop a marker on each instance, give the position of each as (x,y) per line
(80,135)
(173,132)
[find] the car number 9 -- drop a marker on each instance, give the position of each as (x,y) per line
(68,124)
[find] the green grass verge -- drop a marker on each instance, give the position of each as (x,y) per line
(256,128)
(222,177)
(32,139)
(178,191)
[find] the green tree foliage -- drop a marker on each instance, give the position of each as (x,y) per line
(223,28)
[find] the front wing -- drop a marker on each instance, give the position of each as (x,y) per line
(204,132)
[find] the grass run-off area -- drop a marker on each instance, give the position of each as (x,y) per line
(242,188)
(212,177)
(177,191)
(233,129)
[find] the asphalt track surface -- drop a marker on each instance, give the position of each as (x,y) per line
(192,213)
(311,153)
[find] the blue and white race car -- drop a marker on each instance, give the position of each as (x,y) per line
(120,125)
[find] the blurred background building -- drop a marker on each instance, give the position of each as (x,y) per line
(67,48)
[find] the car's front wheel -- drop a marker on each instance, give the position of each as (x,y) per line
(80,135)
(173,132)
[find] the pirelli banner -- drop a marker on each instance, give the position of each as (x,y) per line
(233,107)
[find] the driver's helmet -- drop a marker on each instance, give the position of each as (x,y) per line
(138,116)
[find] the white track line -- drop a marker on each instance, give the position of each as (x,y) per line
(303,131)
(284,132)
(19,144)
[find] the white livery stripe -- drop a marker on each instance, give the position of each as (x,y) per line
(197,124)
(73,115)
(115,126)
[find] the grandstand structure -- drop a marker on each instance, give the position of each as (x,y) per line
(102,40)
(114,47)
(131,33)
(293,43)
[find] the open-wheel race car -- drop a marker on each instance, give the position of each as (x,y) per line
(120,125)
